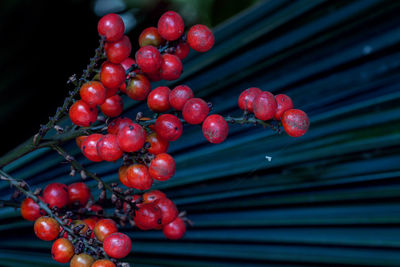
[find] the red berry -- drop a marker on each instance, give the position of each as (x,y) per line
(79,140)
(96,208)
(182,50)
(117,124)
(264,106)
(112,27)
(215,129)
(157,144)
(111,92)
(131,138)
(46,228)
(112,76)
(175,230)
(171,67)
(171,26)
(56,195)
(123,176)
(154,77)
(153,196)
(295,122)
(247,97)
(168,127)
(79,192)
(93,93)
(82,114)
(30,210)
(138,177)
(162,167)
(117,245)
(127,63)
(103,263)
(138,87)
(179,96)
(91,223)
(104,228)
(195,111)
(148,59)
(89,147)
(150,36)
(81,260)
(62,250)
(169,212)
(284,103)
(108,148)
(119,50)
(148,216)
(200,38)
(158,99)
(113,106)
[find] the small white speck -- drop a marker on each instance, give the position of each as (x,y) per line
(268,158)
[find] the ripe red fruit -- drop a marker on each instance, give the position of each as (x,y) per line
(131,138)
(91,223)
(82,114)
(154,77)
(103,263)
(247,97)
(170,26)
(117,124)
(182,50)
(162,167)
(123,176)
(168,127)
(81,260)
(30,210)
(113,106)
(104,228)
(264,106)
(56,195)
(89,147)
(79,192)
(93,93)
(175,230)
(158,99)
(169,212)
(150,36)
(117,245)
(284,103)
(295,122)
(195,111)
(215,129)
(153,196)
(200,38)
(79,140)
(119,50)
(157,144)
(148,216)
(46,228)
(171,67)
(62,250)
(138,87)
(179,96)
(127,63)
(112,76)
(111,26)
(148,59)
(108,148)
(138,177)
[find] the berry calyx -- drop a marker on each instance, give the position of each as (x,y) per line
(82,114)
(131,138)
(157,100)
(46,228)
(295,122)
(79,193)
(175,230)
(138,87)
(81,260)
(179,96)
(247,97)
(148,59)
(284,103)
(30,210)
(215,129)
(89,147)
(162,167)
(112,106)
(195,111)
(118,51)
(104,228)
(264,106)
(148,216)
(93,93)
(117,245)
(157,144)
(62,250)
(56,195)
(112,76)
(200,38)
(150,36)
(138,177)
(108,148)
(170,26)
(171,67)
(168,127)
(112,27)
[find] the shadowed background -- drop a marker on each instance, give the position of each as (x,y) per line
(330,198)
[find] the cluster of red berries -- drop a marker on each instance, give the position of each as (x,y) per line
(266,106)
